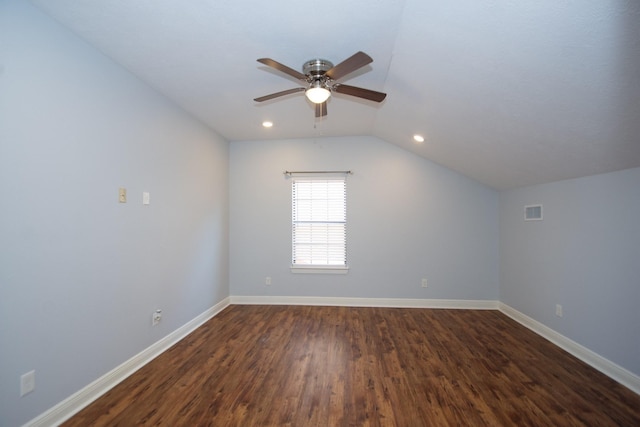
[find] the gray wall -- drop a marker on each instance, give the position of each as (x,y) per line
(407,218)
(81,274)
(584,255)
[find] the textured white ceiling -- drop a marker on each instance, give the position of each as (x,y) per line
(510,93)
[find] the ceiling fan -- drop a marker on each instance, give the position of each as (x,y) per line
(320,78)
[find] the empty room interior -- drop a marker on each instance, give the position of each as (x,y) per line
(452,237)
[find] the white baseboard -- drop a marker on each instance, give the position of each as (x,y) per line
(367,302)
(607,367)
(79,400)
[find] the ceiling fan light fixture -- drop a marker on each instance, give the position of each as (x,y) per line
(317,92)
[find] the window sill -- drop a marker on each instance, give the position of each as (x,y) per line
(318,269)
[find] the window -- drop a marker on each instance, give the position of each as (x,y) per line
(319,220)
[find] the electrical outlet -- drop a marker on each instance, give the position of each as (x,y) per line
(27,383)
(558,310)
(156,317)
(267,281)
(424,283)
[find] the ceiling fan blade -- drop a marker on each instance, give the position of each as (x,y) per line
(280,67)
(355,61)
(277,94)
(321,109)
(371,95)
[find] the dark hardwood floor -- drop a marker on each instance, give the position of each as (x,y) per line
(341,366)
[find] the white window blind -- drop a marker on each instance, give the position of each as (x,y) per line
(319,208)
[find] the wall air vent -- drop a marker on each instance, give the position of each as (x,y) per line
(533,213)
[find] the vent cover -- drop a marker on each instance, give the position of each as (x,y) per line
(533,213)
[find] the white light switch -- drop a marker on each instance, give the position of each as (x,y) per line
(145,198)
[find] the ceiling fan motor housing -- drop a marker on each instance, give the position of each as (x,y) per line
(316,68)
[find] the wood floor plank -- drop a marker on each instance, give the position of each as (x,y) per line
(345,366)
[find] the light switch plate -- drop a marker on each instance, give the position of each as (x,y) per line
(122,195)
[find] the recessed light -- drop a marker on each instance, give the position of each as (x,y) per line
(418,138)
(267,124)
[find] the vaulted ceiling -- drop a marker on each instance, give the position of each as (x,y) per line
(510,93)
